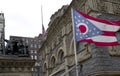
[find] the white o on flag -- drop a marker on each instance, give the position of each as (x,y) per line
(83,28)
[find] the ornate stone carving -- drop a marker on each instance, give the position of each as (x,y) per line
(116,9)
(101,6)
(87,7)
(84,55)
(71,60)
(114,51)
(114,1)
(15,65)
(83,8)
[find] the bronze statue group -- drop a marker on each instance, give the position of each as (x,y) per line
(16,47)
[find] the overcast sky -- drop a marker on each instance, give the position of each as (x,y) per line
(23,17)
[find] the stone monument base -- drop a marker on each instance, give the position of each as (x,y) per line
(16,66)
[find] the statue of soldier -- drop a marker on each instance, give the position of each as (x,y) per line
(15,47)
(20,47)
(26,50)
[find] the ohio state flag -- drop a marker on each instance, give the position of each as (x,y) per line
(93,30)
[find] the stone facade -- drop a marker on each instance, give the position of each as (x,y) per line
(16,66)
(57,51)
(2,33)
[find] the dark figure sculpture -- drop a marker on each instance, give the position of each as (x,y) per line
(1,50)
(16,47)
(20,47)
(26,50)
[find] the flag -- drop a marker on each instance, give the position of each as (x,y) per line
(94,30)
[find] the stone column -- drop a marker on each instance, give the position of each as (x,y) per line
(66,59)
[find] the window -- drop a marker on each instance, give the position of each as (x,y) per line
(31,51)
(23,39)
(45,67)
(27,41)
(39,46)
(35,51)
(61,56)
(53,62)
(31,45)
(32,69)
(39,41)
(35,46)
(34,40)
(40,57)
(32,56)
(35,57)
(31,40)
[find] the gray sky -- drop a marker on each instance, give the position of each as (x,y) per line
(23,17)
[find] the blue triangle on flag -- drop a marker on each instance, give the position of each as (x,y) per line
(83,27)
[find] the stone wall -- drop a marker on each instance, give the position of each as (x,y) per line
(93,60)
(15,66)
(15,74)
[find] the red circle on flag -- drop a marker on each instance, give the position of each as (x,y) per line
(82,28)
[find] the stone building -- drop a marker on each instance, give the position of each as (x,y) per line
(57,51)
(2,32)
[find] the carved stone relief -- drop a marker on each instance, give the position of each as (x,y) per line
(114,51)
(85,54)
(101,6)
(114,1)
(116,9)
(87,7)
(71,60)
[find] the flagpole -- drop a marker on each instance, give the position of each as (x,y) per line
(41,15)
(75,51)
(43,29)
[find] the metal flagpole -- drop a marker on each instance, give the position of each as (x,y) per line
(76,61)
(43,29)
(41,15)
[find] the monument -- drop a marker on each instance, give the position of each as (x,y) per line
(16,61)
(14,57)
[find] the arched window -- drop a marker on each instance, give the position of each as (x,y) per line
(45,67)
(61,56)
(53,62)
